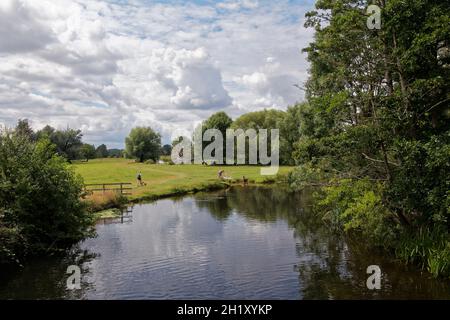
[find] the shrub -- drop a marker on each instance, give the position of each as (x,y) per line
(12,245)
(356,206)
(39,196)
(99,201)
(166,159)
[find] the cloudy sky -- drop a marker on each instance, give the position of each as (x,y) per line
(105,66)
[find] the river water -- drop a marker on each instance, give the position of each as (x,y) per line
(241,243)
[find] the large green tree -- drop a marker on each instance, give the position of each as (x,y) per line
(291,126)
(40,199)
(378,115)
(102,151)
(219,121)
(87,151)
(23,128)
(68,142)
(264,119)
(143,143)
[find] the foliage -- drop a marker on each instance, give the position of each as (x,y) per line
(376,126)
(266,119)
(357,207)
(421,184)
(67,142)
(115,153)
(143,143)
(166,150)
(166,159)
(87,151)
(220,121)
(99,201)
(39,198)
(24,129)
(428,248)
(101,151)
(290,125)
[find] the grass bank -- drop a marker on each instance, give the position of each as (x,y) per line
(167,180)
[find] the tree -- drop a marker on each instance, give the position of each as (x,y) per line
(143,143)
(115,153)
(24,129)
(87,151)
(68,142)
(265,119)
(290,126)
(220,121)
(40,199)
(102,151)
(377,121)
(166,150)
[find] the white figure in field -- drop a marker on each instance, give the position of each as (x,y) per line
(222,175)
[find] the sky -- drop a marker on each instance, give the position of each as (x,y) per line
(107,66)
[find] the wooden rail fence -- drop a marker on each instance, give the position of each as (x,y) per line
(123,187)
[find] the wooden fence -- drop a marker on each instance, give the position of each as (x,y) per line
(122,187)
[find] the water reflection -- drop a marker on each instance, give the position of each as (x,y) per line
(242,243)
(329,265)
(43,279)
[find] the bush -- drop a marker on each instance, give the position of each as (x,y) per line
(150,161)
(356,206)
(39,197)
(11,244)
(99,201)
(421,184)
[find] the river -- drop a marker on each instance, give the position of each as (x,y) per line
(241,243)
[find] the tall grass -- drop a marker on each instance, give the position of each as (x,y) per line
(98,201)
(430,249)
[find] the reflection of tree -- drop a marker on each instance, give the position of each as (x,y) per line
(262,204)
(47,278)
(217,205)
(329,265)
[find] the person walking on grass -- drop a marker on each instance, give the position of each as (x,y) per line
(140,181)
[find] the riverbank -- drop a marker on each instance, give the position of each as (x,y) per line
(164,181)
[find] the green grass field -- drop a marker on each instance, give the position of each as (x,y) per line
(164,179)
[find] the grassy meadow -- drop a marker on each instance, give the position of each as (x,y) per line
(164,180)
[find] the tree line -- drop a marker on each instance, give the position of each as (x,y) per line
(374,133)
(69,142)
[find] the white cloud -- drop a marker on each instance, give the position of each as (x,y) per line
(105,67)
(236,5)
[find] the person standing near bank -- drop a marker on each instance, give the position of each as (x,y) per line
(139,179)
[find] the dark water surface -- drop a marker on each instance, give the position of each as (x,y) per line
(243,243)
